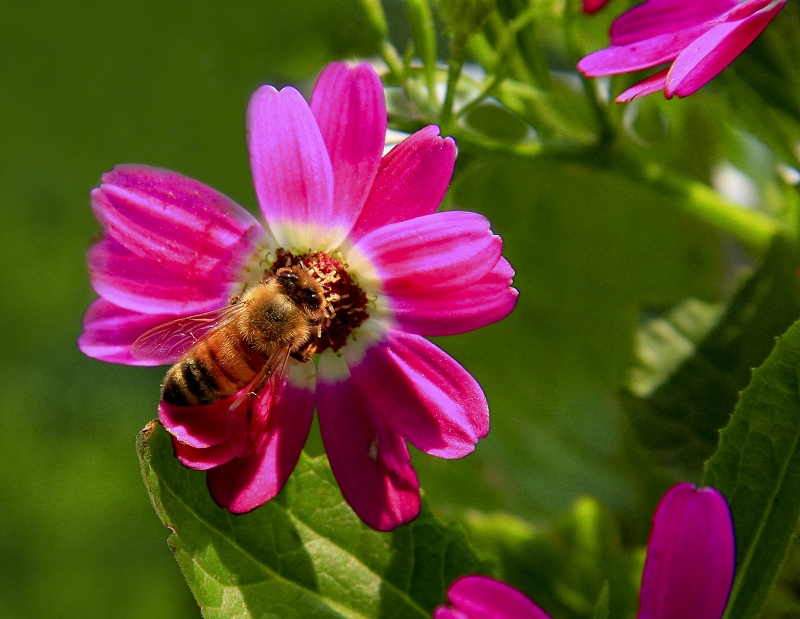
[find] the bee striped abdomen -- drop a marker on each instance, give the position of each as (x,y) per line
(219,367)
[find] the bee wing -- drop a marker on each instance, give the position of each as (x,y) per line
(264,385)
(252,406)
(169,342)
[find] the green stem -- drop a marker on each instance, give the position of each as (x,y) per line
(754,229)
(394,62)
(606,133)
(500,67)
(419,12)
(457,57)
(377,17)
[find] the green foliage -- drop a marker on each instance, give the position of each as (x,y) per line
(757,469)
(557,361)
(693,361)
(601,610)
(303,554)
(567,567)
(604,210)
(464,16)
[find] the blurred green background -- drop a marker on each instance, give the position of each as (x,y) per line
(88,85)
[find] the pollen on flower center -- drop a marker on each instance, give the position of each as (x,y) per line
(345,302)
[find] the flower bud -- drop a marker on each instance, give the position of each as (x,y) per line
(691,556)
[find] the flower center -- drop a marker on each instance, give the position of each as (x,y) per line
(345,302)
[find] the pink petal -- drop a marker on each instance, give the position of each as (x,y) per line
(654,83)
(592,6)
(442,612)
(109,331)
(480,597)
(715,50)
(203,459)
(370,462)
(136,283)
(183,225)
(250,481)
(200,426)
(348,104)
(690,556)
(422,394)
(658,17)
(291,169)
(639,55)
(485,301)
(748,8)
(433,254)
(412,180)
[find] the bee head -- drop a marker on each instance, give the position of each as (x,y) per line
(301,287)
(287,277)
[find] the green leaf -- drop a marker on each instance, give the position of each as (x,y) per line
(757,469)
(303,554)
(601,610)
(693,361)
(783,601)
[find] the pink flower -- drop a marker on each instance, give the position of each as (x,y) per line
(688,572)
(699,39)
(480,597)
(391,268)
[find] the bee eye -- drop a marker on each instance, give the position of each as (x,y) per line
(287,276)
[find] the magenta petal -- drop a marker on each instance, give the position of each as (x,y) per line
(203,459)
(639,55)
(711,53)
(291,169)
(199,426)
(433,254)
(248,482)
(176,221)
(690,556)
(412,180)
(480,597)
(423,394)
(128,280)
(482,303)
(657,17)
(109,331)
(371,463)
(443,612)
(348,104)
(654,83)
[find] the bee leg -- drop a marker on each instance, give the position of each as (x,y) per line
(305,352)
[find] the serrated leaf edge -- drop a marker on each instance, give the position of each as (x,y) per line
(144,436)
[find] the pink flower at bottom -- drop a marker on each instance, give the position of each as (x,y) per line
(691,556)
(688,572)
(364,226)
(480,597)
(699,39)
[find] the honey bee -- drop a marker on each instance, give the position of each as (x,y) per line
(245,344)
